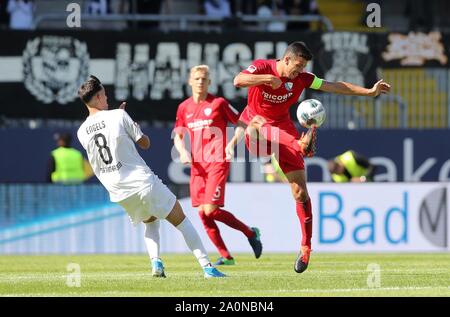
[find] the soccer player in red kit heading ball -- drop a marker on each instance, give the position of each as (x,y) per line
(204,118)
(273,87)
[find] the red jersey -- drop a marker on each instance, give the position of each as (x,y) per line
(273,104)
(206,123)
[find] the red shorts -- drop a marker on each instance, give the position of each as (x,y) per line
(289,158)
(209,188)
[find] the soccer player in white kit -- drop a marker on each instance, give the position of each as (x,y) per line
(108,136)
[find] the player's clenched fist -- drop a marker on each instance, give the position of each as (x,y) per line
(274,82)
(381,87)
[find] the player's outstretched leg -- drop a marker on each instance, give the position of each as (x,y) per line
(183,224)
(225,261)
(302,261)
(226,217)
(158,268)
(255,242)
(308,142)
(304,213)
(214,234)
(151,238)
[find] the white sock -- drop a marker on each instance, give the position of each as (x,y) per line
(151,237)
(193,241)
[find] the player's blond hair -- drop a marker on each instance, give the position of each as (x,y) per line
(200,68)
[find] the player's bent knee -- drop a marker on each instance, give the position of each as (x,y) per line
(300,195)
(208,209)
(257,121)
(252,132)
(176,216)
(151,219)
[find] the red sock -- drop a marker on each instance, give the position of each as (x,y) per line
(214,234)
(230,220)
(277,135)
(304,213)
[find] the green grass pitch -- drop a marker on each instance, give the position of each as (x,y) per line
(272,275)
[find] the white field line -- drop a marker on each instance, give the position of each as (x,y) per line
(349,290)
(140,293)
(112,275)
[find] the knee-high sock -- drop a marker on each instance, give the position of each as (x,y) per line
(230,220)
(276,135)
(193,241)
(304,213)
(214,234)
(151,237)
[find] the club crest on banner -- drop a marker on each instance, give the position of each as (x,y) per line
(54,67)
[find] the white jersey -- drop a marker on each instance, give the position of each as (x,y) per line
(109,138)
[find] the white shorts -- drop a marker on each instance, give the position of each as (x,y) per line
(156,200)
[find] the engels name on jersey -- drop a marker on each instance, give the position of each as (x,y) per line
(95,127)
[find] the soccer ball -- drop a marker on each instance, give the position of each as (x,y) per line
(311,111)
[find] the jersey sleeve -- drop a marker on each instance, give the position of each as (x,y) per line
(257,67)
(230,113)
(131,127)
(179,121)
(311,81)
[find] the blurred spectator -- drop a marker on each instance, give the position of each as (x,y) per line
(243,7)
(21,14)
(67,165)
(217,8)
(121,6)
(351,167)
(149,7)
(420,15)
(106,7)
(4,17)
(98,7)
(300,7)
(270,8)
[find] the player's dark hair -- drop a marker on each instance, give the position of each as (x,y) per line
(89,89)
(299,49)
(65,137)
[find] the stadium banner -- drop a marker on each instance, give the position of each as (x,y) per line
(397,217)
(399,155)
(347,56)
(41,71)
(415,49)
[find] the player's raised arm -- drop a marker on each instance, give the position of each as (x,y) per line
(255,75)
(144,142)
(344,88)
(243,80)
(134,130)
